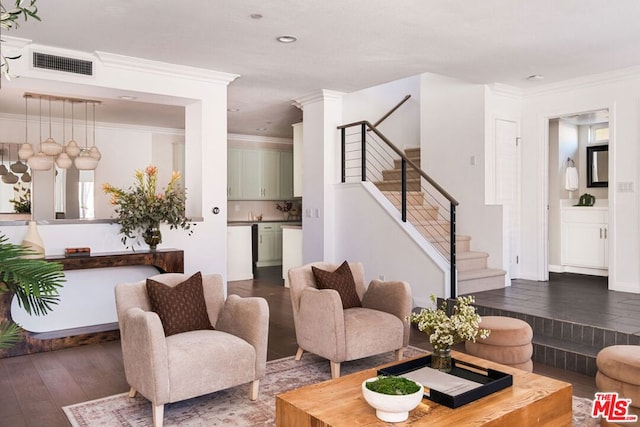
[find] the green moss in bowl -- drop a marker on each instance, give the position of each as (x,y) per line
(393,385)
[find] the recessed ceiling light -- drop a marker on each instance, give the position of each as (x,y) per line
(256,16)
(261,129)
(287,39)
(233,110)
(127,97)
(534,77)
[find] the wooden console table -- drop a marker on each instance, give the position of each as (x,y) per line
(165,260)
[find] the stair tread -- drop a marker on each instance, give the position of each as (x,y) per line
(395,181)
(471,255)
(409,193)
(480,274)
(459,238)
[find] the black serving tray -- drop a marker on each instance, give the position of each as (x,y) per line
(490,379)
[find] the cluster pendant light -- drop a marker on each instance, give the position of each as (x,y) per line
(40,161)
(50,151)
(9,177)
(89,157)
(3,168)
(63,161)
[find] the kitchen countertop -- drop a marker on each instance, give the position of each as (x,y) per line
(292,226)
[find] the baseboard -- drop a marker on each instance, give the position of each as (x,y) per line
(578,270)
(268,263)
(630,287)
(556,268)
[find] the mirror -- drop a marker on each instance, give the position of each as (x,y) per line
(15,183)
(130,135)
(74,192)
(598,166)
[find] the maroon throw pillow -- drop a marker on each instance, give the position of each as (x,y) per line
(181,308)
(342,281)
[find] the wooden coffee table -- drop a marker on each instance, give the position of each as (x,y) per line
(532,400)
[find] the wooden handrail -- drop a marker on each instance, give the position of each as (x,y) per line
(404,157)
(383,118)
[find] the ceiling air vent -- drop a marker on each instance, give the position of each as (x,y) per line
(61,63)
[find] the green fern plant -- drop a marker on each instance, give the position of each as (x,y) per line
(35,283)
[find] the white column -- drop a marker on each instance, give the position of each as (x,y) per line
(322,113)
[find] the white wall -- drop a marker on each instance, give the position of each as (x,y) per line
(403,126)
(203,93)
(370,230)
(452,132)
(618,92)
(563,144)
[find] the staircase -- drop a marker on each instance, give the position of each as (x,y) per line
(422,213)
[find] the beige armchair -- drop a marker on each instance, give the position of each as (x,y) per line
(324,328)
(185,365)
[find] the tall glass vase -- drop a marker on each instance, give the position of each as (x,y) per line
(441,359)
(152,236)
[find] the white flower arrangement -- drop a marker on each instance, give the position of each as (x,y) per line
(445,331)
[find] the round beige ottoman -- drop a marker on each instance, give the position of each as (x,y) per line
(509,342)
(619,371)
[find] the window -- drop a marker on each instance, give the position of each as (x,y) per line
(599,133)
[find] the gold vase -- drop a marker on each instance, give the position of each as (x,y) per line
(441,359)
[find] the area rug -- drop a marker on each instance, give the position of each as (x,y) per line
(232,407)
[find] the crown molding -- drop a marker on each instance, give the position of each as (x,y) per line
(585,81)
(164,68)
(321,95)
(15,42)
(99,125)
(507,90)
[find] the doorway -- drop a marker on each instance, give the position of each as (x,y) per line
(577,209)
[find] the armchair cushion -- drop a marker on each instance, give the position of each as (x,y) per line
(181,308)
(340,280)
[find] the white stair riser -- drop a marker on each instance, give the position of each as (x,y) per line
(479,285)
(475,263)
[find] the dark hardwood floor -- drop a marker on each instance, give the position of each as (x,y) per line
(33,388)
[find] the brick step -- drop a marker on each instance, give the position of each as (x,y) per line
(564,344)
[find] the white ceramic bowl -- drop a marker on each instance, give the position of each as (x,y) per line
(392,408)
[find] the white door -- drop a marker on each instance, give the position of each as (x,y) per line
(508,187)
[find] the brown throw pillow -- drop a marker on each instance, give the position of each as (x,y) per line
(181,308)
(342,281)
